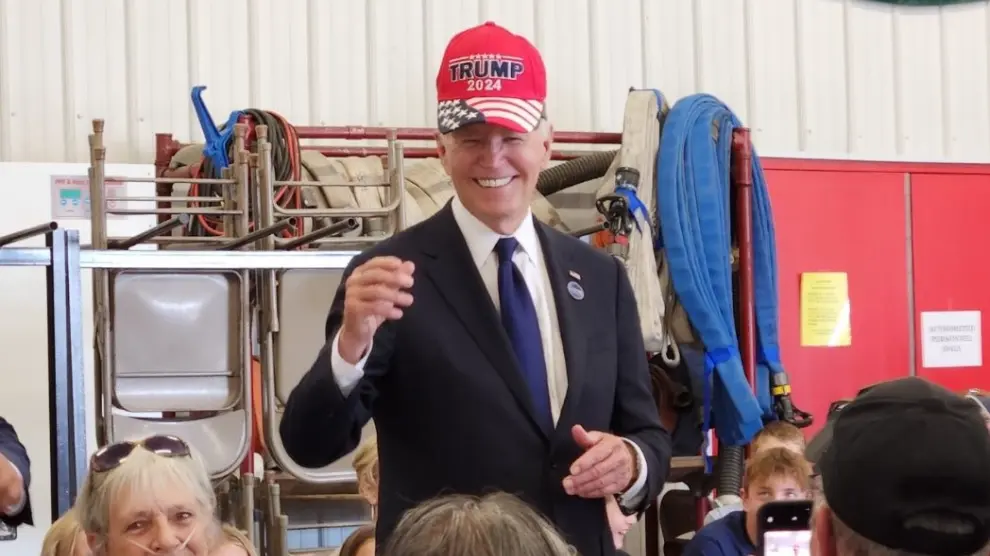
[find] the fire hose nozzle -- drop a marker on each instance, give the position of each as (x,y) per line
(780,388)
(626,177)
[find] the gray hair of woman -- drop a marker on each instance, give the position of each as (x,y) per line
(153,491)
(495,525)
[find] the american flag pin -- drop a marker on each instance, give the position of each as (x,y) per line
(574,275)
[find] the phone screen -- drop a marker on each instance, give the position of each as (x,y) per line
(785,528)
(787,543)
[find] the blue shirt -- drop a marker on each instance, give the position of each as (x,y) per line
(724,537)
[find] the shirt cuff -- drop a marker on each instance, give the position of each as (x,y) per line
(16,508)
(345,374)
(633,496)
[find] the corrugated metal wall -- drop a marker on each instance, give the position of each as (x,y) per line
(824,77)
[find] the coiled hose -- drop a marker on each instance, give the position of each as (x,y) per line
(573,172)
(285,163)
(729,469)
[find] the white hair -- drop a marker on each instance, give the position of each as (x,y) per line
(143,474)
(542,129)
(851,543)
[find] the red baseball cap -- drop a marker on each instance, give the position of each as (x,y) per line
(490,75)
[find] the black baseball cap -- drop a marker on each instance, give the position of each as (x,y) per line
(981,399)
(904,450)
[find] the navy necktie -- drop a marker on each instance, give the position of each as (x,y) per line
(523,328)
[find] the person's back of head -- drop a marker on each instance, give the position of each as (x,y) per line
(779,434)
(359,543)
(495,525)
(907,473)
(366,468)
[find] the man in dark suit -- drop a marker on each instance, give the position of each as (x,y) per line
(15,478)
(493,352)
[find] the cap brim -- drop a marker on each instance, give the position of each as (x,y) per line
(519,115)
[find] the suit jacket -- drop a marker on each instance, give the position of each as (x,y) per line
(449,403)
(14,451)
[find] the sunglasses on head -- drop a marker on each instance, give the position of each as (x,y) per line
(111,456)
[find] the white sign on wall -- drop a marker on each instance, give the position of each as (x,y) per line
(951,339)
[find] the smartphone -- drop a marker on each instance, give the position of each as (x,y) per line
(785,528)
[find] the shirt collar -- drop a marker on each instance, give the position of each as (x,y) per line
(481,239)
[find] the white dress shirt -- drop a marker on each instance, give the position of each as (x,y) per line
(529,259)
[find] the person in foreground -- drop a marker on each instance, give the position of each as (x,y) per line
(493,352)
(772,474)
(359,543)
(907,472)
(15,479)
(150,496)
(495,525)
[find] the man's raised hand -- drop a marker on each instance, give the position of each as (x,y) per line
(375,292)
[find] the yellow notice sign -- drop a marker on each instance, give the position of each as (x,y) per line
(825,309)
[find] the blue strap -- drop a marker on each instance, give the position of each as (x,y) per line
(523,328)
(713,358)
(764,289)
(636,205)
(693,201)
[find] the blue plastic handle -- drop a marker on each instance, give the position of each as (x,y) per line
(217,141)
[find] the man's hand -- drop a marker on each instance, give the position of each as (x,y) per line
(608,465)
(375,292)
(11,485)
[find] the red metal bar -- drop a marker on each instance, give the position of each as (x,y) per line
(165,149)
(427,134)
(742,180)
(413,152)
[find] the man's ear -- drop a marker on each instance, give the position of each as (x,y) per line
(822,533)
(442,152)
(441,148)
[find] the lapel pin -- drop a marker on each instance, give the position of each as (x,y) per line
(576,291)
(574,275)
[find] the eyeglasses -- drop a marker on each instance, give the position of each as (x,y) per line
(111,456)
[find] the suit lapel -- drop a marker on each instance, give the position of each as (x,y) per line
(457,279)
(570,317)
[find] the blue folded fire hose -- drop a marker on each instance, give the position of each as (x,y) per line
(693,198)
